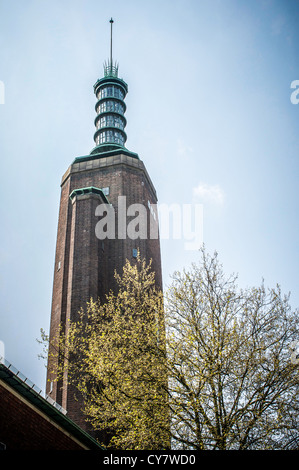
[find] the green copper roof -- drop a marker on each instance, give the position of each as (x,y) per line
(89,190)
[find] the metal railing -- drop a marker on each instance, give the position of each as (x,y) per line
(31,385)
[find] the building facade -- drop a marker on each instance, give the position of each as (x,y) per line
(30,421)
(107,214)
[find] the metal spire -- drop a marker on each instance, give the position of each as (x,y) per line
(111,63)
(110,69)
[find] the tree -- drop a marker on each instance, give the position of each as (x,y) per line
(232,384)
(114,354)
(207,367)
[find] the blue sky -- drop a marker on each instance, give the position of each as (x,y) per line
(208,111)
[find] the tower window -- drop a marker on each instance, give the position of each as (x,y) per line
(134,252)
(106,190)
(110,136)
(112,91)
(111,121)
(110,105)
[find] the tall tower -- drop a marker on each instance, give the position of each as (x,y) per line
(110,178)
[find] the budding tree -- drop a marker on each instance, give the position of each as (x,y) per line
(232,382)
(207,367)
(115,357)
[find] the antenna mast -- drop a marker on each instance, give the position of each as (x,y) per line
(111,64)
(110,69)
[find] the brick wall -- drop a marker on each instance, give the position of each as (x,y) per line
(84,265)
(23,427)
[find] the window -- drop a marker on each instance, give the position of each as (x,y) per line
(113,91)
(106,191)
(134,252)
(110,136)
(110,121)
(110,105)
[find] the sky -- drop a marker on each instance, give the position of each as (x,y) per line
(210,111)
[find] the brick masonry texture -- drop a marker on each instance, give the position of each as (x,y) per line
(22,427)
(84,265)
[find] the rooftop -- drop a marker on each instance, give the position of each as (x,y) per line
(36,397)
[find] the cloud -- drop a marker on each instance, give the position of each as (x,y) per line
(209,193)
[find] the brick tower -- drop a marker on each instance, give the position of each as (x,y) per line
(90,245)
